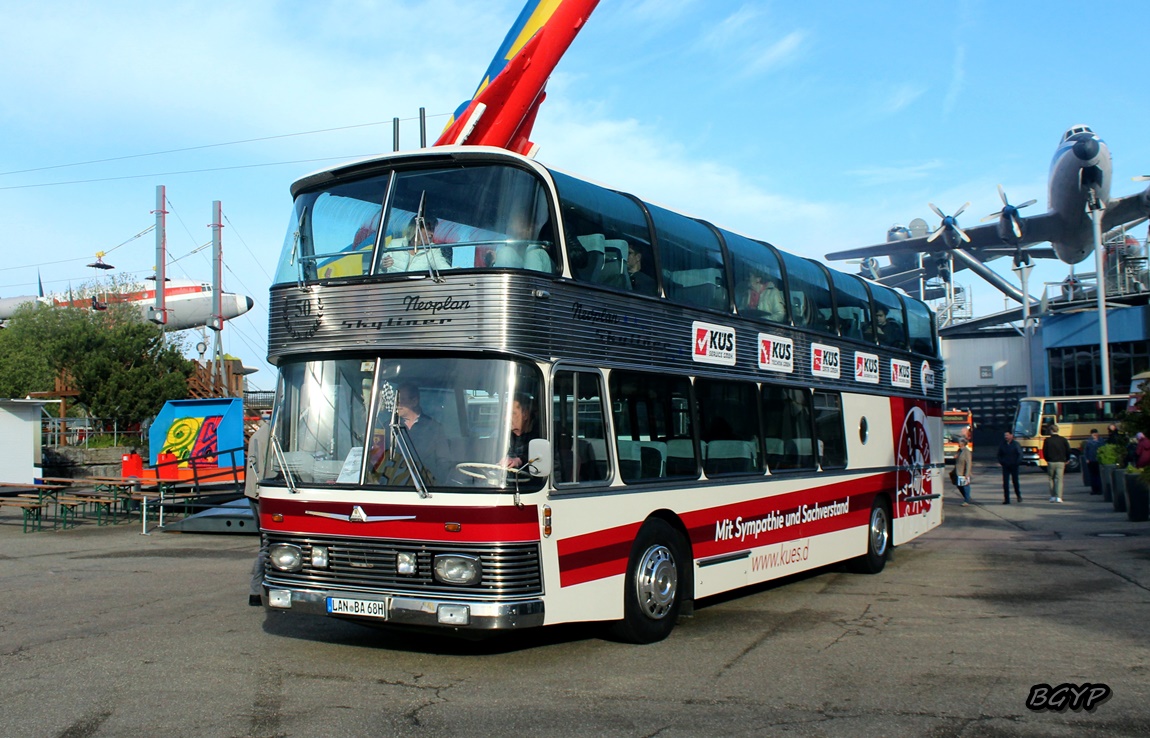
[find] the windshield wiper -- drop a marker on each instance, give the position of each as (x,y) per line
(283,463)
(409,454)
(420,229)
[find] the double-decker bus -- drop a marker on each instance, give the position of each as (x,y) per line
(621,409)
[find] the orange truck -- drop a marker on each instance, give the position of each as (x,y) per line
(956,424)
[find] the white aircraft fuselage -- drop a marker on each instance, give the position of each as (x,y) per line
(188,304)
(1079,175)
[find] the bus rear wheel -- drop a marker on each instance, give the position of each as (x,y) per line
(656,581)
(878,540)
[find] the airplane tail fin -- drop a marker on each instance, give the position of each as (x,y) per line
(503,109)
(39,284)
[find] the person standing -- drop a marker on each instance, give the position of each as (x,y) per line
(1009,457)
(258,454)
(963,461)
(1056,451)
(1142,451)
(1090,455)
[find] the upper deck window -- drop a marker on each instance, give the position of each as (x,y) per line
(437,219)
(852,303)
(810,294)
(920,327)
(691,259)
(759,288)
(608,239)
(889,321)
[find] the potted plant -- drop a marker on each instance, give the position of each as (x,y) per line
(1109,455)
(1137,493)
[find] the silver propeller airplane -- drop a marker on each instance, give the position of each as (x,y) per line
(1080,177)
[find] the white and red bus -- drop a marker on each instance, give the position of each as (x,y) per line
(696,411)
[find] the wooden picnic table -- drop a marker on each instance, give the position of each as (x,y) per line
(106,493)
(32,500)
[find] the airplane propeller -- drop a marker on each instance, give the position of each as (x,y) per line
(1009,214)
(949,226)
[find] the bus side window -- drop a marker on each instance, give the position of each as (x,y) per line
(580,447)
(829,430)
(649,409)
(787,428)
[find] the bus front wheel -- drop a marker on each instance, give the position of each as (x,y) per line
(655,583)
(878,540)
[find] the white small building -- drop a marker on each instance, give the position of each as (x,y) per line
(20,439)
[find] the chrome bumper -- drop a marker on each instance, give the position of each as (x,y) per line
(405,610)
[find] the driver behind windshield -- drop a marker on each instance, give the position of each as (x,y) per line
(522,431)
(427,440)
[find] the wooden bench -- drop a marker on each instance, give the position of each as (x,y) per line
(66,508)
(33,510)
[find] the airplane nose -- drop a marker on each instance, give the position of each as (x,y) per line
(250,302)
(1086,148)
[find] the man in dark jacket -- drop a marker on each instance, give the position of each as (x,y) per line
(1009,457)
(1056,451)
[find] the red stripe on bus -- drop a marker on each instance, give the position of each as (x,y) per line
(507,524)
(596,555)
(714,531)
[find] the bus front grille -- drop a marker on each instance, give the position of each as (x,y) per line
(509,569)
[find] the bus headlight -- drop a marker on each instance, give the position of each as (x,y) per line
(319,557)
(285,557)
(458,569)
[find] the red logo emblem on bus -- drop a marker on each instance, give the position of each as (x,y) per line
(913,479)
(701,340)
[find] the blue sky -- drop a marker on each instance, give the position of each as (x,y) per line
(815,126)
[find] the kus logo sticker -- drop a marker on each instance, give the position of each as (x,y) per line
(825,361)
(866,368)
(776,353)
(900,375)
(927,377)
(713,344)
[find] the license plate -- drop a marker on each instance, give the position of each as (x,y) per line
(361,608)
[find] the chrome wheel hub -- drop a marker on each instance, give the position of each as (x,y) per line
(656,582)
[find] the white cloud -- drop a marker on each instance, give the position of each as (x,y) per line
(957,80)
(634,157)
(895,174)
(778,54)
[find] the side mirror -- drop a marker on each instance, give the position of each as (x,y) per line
(539,451)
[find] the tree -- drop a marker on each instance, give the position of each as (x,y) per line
(123,368)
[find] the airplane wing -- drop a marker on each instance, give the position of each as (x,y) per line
(1035,229)
(1124,210)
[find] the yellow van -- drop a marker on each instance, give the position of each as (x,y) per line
(1075,417)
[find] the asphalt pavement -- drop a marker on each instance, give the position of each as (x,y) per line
(106,632)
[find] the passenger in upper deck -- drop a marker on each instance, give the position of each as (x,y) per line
(763,296)
(415,251)
(635,279)
(890,333)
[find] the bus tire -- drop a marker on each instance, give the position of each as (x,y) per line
(655,584)
(878,539)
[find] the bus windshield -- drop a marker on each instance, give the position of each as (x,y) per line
(454,423)
(1027,419)
(435,219)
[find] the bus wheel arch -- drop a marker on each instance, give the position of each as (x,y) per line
(879,537)
(657,583)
